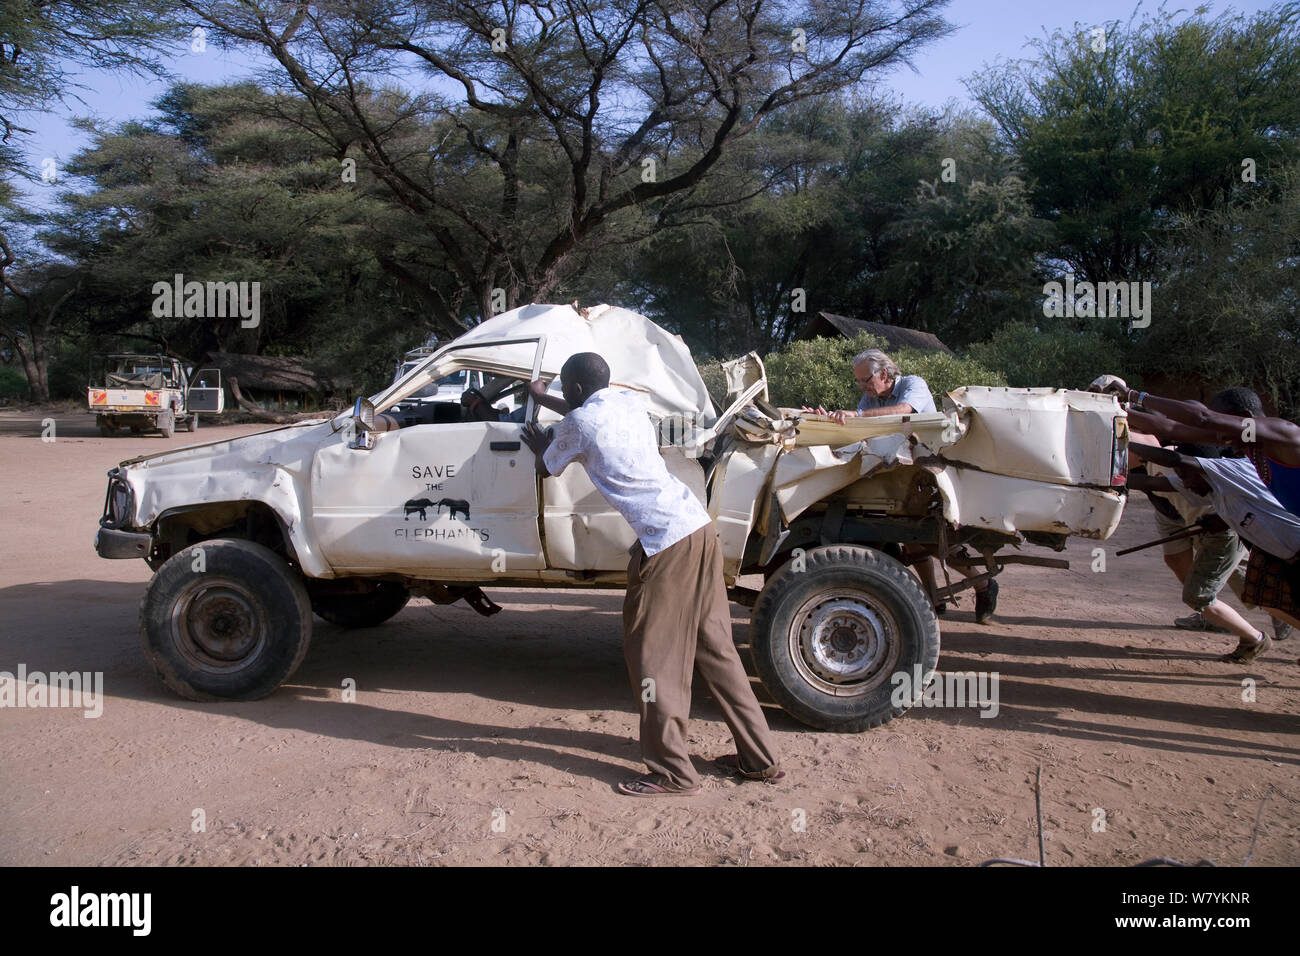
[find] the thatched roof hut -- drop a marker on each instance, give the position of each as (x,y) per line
(829,325)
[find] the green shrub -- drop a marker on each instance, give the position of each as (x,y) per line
(716,382)
(820,371)
(1055,356)
(13,384)
(817,372)
(944,372)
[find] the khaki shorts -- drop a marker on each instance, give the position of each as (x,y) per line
(1166,527)
(1217,563)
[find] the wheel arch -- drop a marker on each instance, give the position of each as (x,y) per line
(247,519)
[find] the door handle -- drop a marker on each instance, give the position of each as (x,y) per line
(504,445)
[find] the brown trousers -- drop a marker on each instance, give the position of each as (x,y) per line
(675,618)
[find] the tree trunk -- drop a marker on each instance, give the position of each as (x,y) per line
(247,407)
(37,383)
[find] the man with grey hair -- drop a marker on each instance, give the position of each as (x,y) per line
(884,391)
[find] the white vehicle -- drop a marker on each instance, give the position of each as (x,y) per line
(248,537)
(144,392)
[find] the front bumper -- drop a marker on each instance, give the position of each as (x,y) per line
(111,540)
(111,543)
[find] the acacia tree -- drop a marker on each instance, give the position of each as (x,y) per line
(213,191)
(1124,130)
(42,43)
(862,220)
(542,128)
(32,301)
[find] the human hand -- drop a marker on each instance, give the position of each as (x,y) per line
(537,439)
(537,387)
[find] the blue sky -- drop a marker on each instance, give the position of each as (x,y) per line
(987,30)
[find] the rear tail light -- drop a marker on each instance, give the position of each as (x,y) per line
(1119,453)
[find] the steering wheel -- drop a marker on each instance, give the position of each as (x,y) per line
(505,392)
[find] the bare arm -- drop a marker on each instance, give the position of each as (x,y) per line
(1209,425)
(1151,483)
(1277,437)
(902,408)
(841,415)
(1169,432)
(537,388)
(1161,456)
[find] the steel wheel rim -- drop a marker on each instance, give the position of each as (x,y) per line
(844,644)
(218,624)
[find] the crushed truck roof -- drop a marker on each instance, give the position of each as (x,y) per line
(641,355)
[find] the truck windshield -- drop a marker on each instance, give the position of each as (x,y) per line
(453,383)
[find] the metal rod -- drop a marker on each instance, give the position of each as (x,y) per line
(1189,532)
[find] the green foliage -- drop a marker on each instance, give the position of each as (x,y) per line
(817,372)
(44,44)
(1225,314)
(716,382)
(69,367)
(1055,355)
(1119,141)
(944,372)
(820,371)
(13,384)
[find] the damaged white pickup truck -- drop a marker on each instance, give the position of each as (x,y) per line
(248,537)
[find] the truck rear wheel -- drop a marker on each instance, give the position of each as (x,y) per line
(231,624)
(167,423)
(830,631)
(366,609)
(105,429)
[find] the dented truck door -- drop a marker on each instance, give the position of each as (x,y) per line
(452,497)
(432,500)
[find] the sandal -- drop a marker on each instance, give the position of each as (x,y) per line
(1244,653)
(655,785)
(731,763)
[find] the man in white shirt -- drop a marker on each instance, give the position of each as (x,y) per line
(675,614)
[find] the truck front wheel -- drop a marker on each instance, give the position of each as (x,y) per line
(830,631)
(225,620)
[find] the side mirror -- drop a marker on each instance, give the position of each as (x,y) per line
(363,424)
(189,371)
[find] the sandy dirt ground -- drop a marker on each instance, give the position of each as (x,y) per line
(500,741)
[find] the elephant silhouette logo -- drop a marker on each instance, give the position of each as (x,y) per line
(414,505)
(454,505)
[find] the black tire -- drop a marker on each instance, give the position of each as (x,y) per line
(828,638)
(361,610)
(235,630)
(106,430)
(191,422)
(166,423)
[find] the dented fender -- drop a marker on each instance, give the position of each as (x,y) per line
(271,467)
